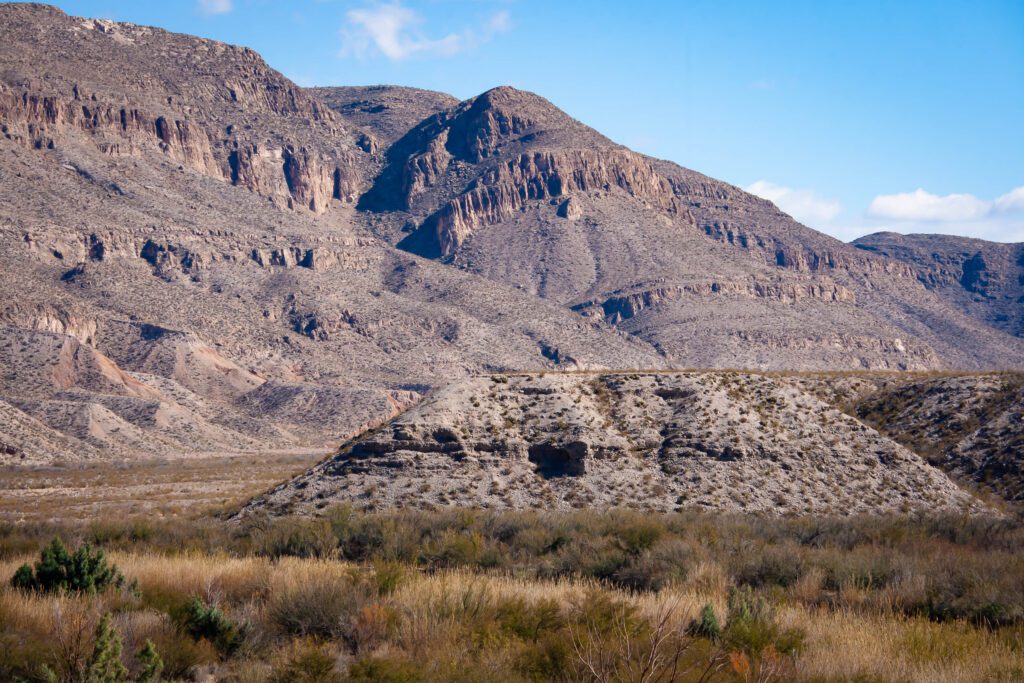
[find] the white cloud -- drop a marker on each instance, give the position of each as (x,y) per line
(803,205)
(393,31)
(925,206)
(499,22)
(1012,201)
(211,7)
(1000,219)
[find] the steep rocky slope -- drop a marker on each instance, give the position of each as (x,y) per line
(507,186)
(983,279)
(971,426)
(203,257)
(227,322)
(716,440)
(213,108)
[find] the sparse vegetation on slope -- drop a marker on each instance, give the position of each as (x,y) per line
(972,426)
(725,440)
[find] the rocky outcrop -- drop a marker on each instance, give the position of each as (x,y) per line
(570,209)
(482,125)
(662,441)
(616,309)
(50,318)
(293,176)
(39,121)
(318,259)
(217,109)
(503,189)
(426,170)
(318,326)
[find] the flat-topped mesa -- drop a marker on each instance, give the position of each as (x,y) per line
(213,108)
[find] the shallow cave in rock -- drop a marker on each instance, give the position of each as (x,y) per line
(565,460)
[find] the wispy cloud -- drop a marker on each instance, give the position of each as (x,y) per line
(804,205)
(212,7)
(923,206)
(395,32)
(1011,202)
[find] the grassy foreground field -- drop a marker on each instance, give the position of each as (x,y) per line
(478,596)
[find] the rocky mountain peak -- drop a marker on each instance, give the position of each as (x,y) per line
(214,108)
(504,120)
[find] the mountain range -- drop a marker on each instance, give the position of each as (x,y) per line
(199,256)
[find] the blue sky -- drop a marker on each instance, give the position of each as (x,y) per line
(855,116)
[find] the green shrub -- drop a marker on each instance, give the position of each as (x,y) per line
(752,628)
(105,664)
(207,622)
(388,576)
(706,626)
(150,663)
(528,621)
(59,571)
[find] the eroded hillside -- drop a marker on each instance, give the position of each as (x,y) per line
(202,257)
(663,441)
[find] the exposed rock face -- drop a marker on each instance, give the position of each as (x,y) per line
(199,256)
(65,74)
(503,190)
(570,209)
(984,279)
(48,318)
(623,306)
(486,186)
(726,441)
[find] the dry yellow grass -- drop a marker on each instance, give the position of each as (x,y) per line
(842,645)
(839,644)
